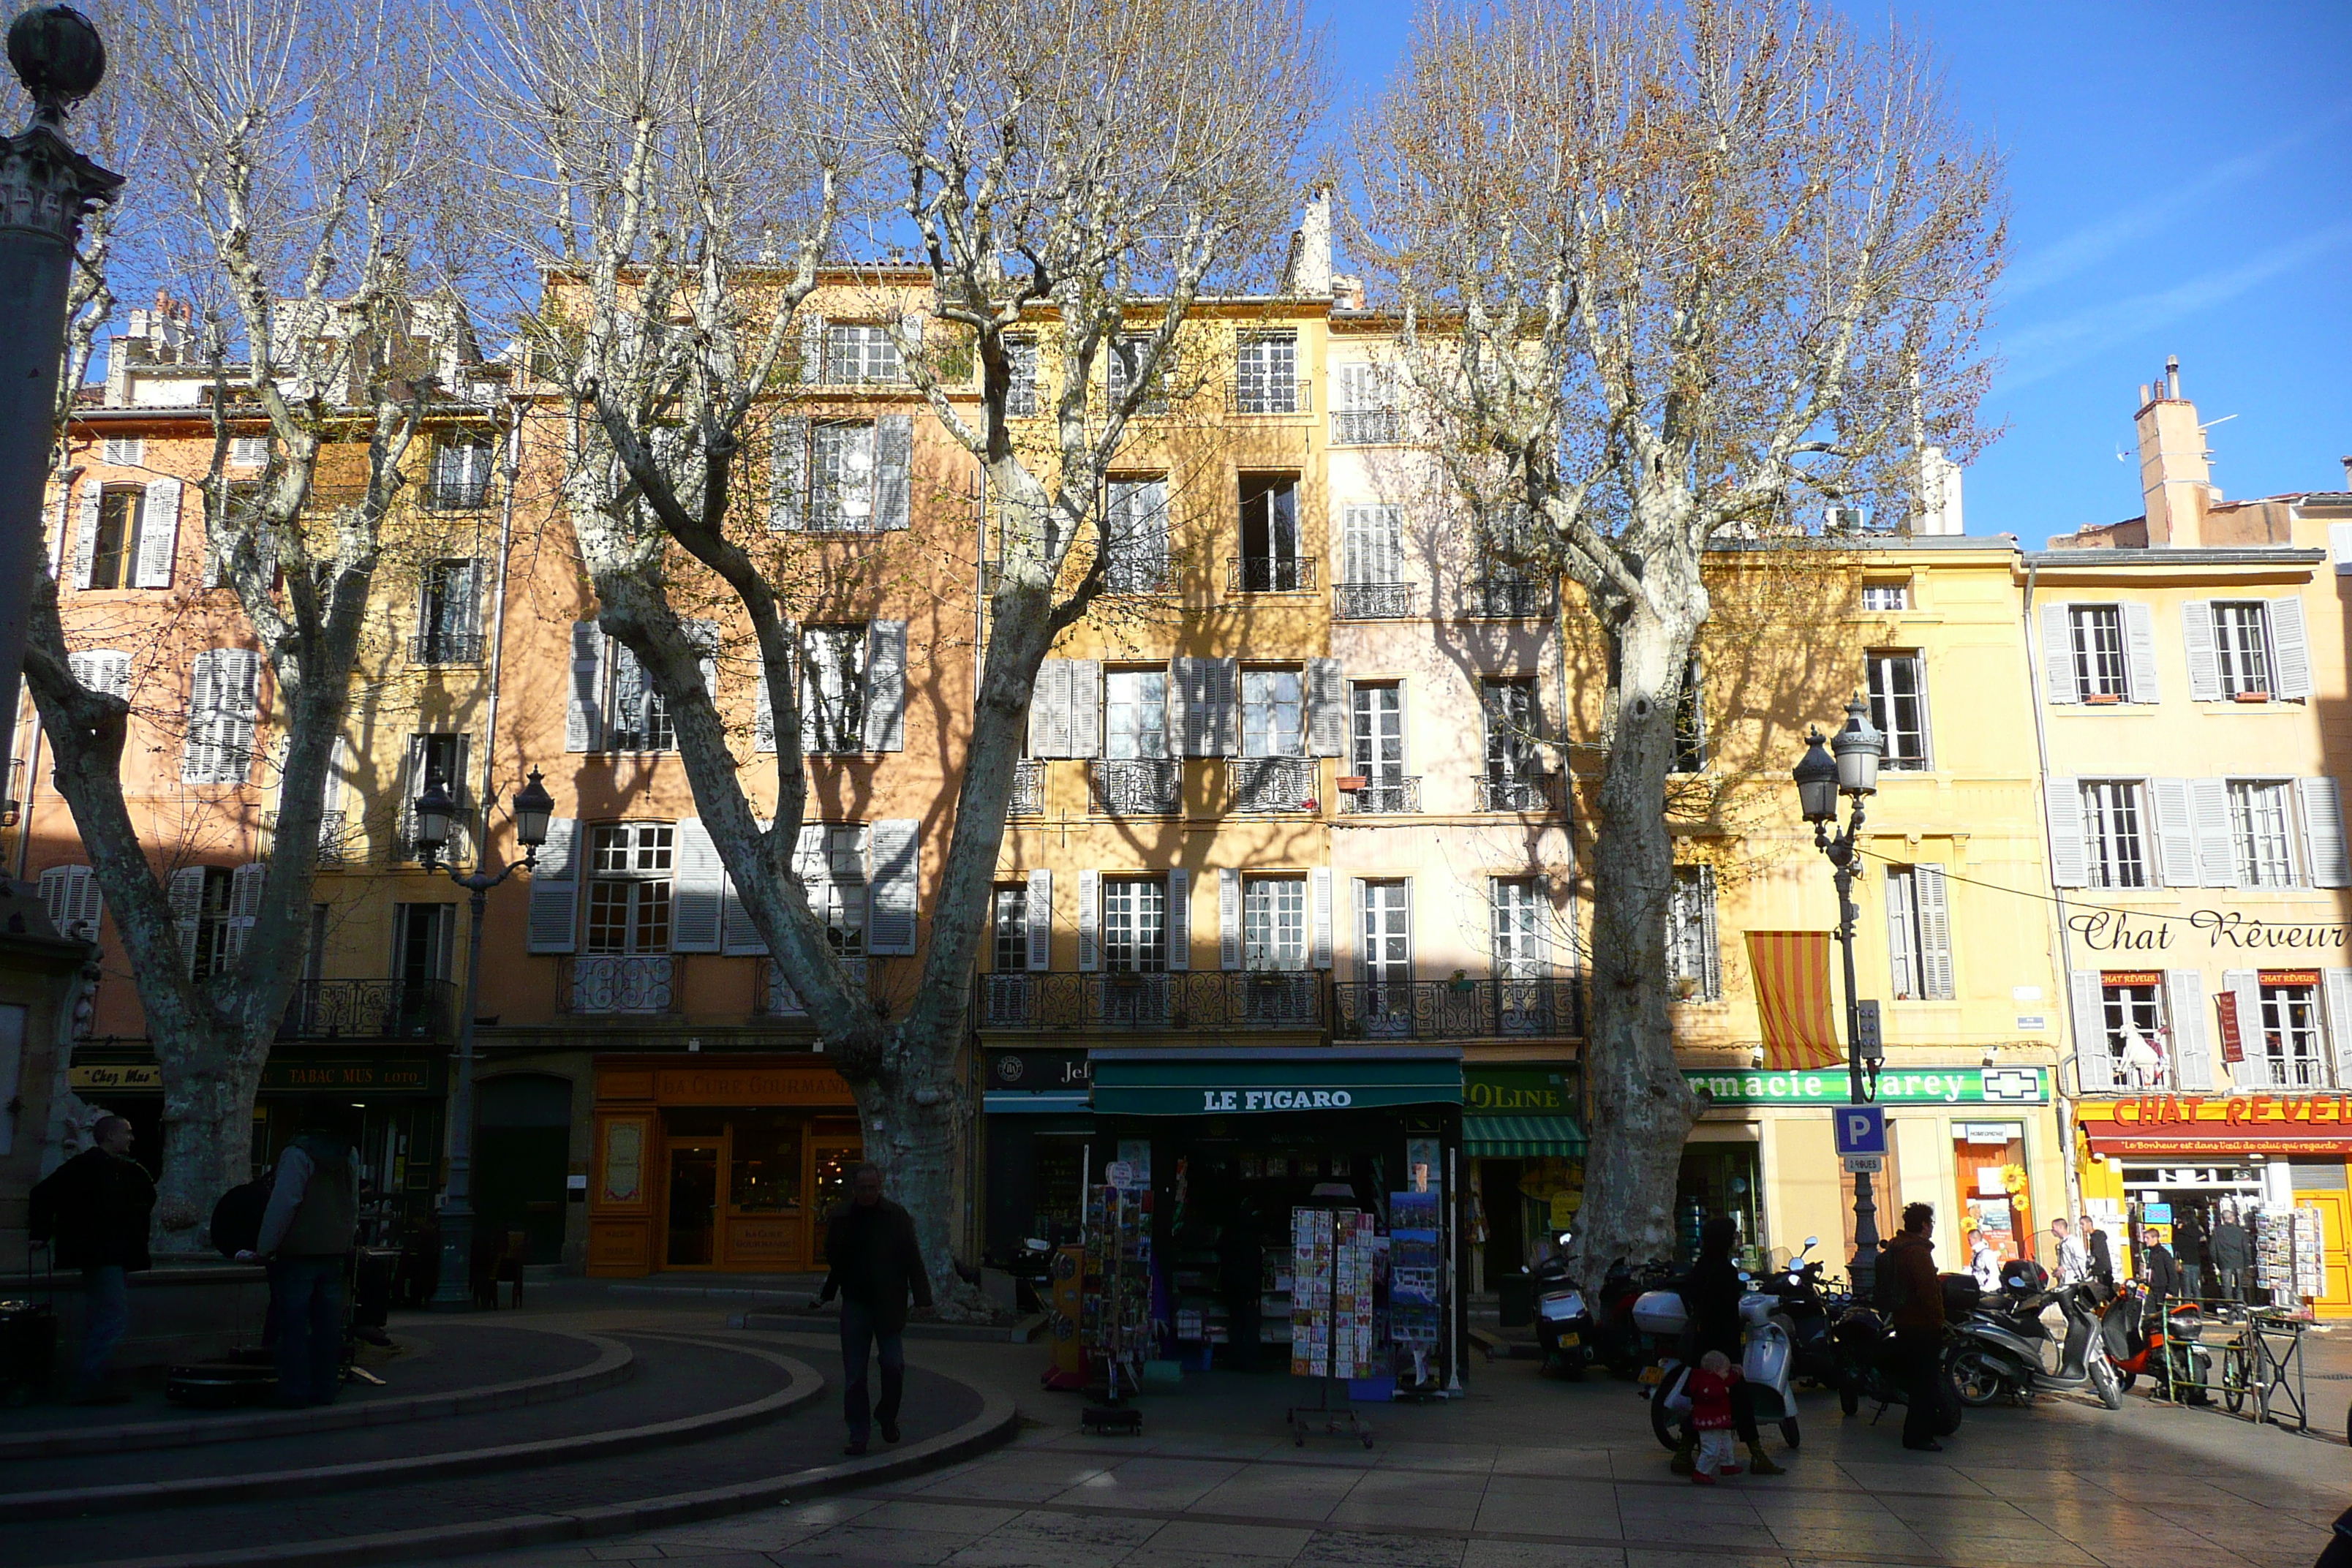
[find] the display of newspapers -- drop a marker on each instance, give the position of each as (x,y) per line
(2310,1253)
(1334,1328)
(2291,1254)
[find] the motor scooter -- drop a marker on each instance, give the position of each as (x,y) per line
(2166,1347)
(2001,1349)
(1867,1370)
(1803,1312)
(1619,1341)
(1767,1359)
(1564,1327)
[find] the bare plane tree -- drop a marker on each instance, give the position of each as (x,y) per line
(294,172)
(1092,165)
(1672,274)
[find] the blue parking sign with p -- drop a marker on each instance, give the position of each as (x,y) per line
(1861,1130)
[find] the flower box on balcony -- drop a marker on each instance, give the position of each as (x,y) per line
(2253,697)
(2103,699)
(1353,781)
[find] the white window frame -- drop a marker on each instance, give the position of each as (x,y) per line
(2289,1020)
(1265,376)
(1693,955)
(1009,927)
(1375,728)
(2244,650)
(2263,850)
(1265,710)
(1135,925)
(1384,931)
(636,716)
(1506,708)
(2115,839)
(833,690)
(1518,931)
(1135,713)
(2117,1016)
(1274,923)
(842,476)
(860,354)
(1885,597)
(629,860)
(2100,669)
(1909,749)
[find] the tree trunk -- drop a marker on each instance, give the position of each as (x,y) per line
(917,1127)
(1642,1109)
(208,1094)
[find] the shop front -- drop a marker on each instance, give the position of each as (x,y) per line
(1037,1128)
(2274,1164)
(728,1165)
(1224,1150)
(1525,1145)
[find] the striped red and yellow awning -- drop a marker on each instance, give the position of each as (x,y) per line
(1793,996)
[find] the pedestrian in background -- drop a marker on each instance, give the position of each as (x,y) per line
(1984,1262)
(874,1262)
(1918,1308)
(2189,1251)
(2162,1271)
(306,1236)
(2074,1261)
(2232,1253)
(2103,1259)
(93,1209)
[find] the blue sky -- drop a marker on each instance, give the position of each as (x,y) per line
(2181,179)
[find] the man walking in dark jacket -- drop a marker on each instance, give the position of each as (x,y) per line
(2233,1250)
(2163,1271)
(306,1236)
(873,1261)
(1918,1317)
(94,1208)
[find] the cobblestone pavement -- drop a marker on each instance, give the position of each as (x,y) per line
(1528,1473)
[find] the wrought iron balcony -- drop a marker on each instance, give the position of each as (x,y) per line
(1506,599)
(1385,799)
(1270,574)
(1461,1009)
(1137,786)
(1373,601)
(1516,791)
(368,1010)
(640,985)
(1268,394)
(457,494)
(1367,427)
(1125,573)
(1205,1000)
(446,647)
(333,827)
(1028,789)
(777,999)
(1273,783)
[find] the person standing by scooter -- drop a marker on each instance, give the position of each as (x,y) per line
(2073,1262)
(1711,1295)
(1915,1298)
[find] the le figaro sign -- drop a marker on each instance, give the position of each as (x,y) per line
(1276,1100)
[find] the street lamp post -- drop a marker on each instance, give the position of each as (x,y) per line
(1821,779)
(435,809)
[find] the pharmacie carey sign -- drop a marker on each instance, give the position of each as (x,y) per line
(1828,1087)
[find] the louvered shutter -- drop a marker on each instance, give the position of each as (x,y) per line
(86,534)
(897,891)
(1902,929)
(886,686)
(2192,1055)
(1085,723)
(2335,985)
(1229,918)
(583,721)
(1049,709)
(159,533)
(2069,856)
(2058,654)
(2244,987)
(764,713)
(187,898)
(894,462)
(2176,833)
(1182,676)
(698,893)
(2217,852)
(555,890)
(1318,893)
(1180,918)
(1713,956)
(2092,1061)
(788,476)
(2290,651)
(2197,641)
(201,762)
(54,896)
(1090,919)
(2323,831)
(469,583)
(241,688)
(106,671)
(1041,920)
(71,896)
(404,807)
(2139,652)
(1935,932)
(1327,708)
(813,350)
(1223,685)
(244,905)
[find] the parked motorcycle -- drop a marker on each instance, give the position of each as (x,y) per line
(1564,1326)
(1767,1360)
(1803,1312)
(1867,1370)
(2001,1351)
(1619,1341)
(2165,1347)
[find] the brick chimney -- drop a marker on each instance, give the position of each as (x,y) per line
(2174,476)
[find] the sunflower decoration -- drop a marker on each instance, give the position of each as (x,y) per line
(2012,1180)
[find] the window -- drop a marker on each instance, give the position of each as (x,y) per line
(2291,1035)
(248,451)
(1376,744)
(841,468)
(844,908)
(1269,561)
(1886,595)
(2117,852)
(1009,921)
(1898,706)
(1693,967)
(856,353)
(223,712)
(1365,410)
(1135,713)
(1690,725)
(628,887)
(1518,929)
(1135,925)
(461,475)
(2258,827)
(1274,922)
(447,612)
(2101,670)
(1509,708)
(1124,362)
(1266,379)
(640,719)
(2135,1025)
(2241,644)
(1384,923)
(1021,360)
(115,562)
(430,757)
(423,936)
(1918,933)
(833,688)
(1137,559)
(125,451)
(1273,713)
(214,951)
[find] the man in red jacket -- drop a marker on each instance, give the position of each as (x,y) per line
(1918,1313)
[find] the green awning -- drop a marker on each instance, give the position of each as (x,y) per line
(1230,1082)
(1521,1137)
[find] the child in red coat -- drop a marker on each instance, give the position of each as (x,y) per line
(1710,1397)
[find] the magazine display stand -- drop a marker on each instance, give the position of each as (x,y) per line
(1116,1315)
(1333,1316)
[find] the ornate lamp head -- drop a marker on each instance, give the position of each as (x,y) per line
(59,58)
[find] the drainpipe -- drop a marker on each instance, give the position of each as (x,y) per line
(2066,1002)
(511,470)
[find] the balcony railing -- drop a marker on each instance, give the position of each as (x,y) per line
(1270,574)
(1373,601)
(1028,789)
(777,999)
(457,494)
(1273,783)
(640,985)
(1506,599)
(1367,427)
(446,647)
(1221,999)
(368,1010)
(1137,786)
(1515,792)
(1385,799)
(1457,1009)
(1125,573)
(1268,394)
